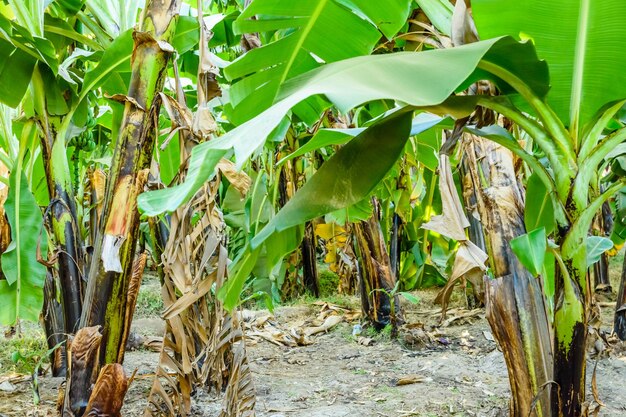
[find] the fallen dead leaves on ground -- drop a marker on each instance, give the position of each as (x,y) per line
(263,326)
(410,379)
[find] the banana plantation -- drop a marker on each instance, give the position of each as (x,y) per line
(312,208)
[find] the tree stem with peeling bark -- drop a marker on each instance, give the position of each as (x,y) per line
(111,269)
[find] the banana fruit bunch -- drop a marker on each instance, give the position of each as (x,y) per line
(85,141)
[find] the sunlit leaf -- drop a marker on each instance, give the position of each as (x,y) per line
(596,246)
(530,249)
(21,293)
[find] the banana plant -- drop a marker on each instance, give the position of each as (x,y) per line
(56,86)
(574,145)
(21,289)
(586,94)
(41,77)
(111,269)
(298,41)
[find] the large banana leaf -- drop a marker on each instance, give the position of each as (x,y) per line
(311,33)
(423,79)
(115,16)
(348,177)
(116,58)
(582,41)
(21,293)
(17,62)
(339,183)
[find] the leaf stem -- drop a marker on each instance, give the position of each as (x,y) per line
(551,122)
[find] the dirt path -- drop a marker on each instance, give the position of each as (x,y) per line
(459,372)
(338,377)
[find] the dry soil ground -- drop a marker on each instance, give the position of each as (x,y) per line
(459,372)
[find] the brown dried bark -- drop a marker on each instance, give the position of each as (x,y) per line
(83,356)
(108,393)
(376,275)
(514,300)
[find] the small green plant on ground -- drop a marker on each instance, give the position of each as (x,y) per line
(149,301)
(384,335)
(328,282)
(413,299)
(33,362)
(30,347)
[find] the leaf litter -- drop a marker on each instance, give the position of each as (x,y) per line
(336,375)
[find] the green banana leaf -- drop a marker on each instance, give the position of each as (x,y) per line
(21,293)
(16,65)
(115,58)
(582,41)
(115,16)
(29,14)
(327,137)
(530,249)
(539,209)
(347,177)
(338,183)
(596,246)
(310,33)
(358,80)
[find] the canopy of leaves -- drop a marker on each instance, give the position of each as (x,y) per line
(581,40)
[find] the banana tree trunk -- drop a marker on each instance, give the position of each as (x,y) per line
(112,264)
(620,307)
(514,301)
(64,222)
(573,302)
(394,245)
(475,231)
(54,325)
(287,187)
(470,201)
(309,261)
(570,336)
(377,281)
(307,247)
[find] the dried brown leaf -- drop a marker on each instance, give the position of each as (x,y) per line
(108,393)
(329,323)
(200,340)
(463,27)
(238,179)
(410,379)
(139,265)
(452,222)
(83,357)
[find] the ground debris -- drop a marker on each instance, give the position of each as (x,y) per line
(263,326)
(462,316)
(365,341)
(7,386)
(410,379)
